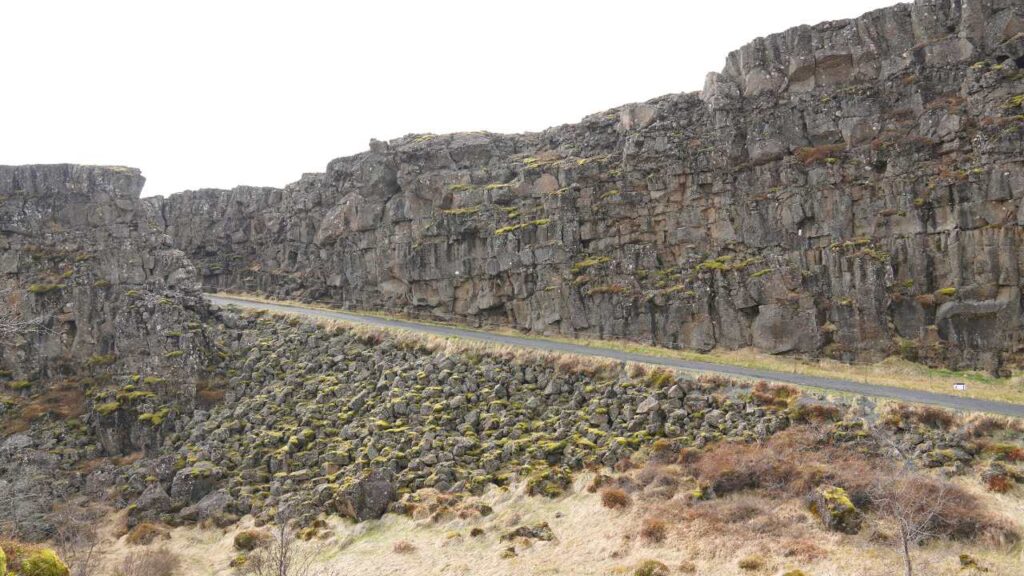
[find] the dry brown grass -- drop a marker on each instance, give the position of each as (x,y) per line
(704,537)
(615,498)
(403,547)
(249,540)
(816,154)
(775,395)
(61,400)
(145,534)
(931,416)
(654,530)
(751,563)
(987,425)
(154,562)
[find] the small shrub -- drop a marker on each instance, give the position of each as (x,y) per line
(654,530)
(935,417)
(999,483)
(249,540)
(951,511)
(43,562)
(615,498)
(1001,451)
(688,455)
(662,451)
(403,547)
(774,395)
(651,568)
(930,416)
(751,563)
(145,534)
(815,412)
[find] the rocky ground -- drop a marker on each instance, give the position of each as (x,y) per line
(849,190)
(314,423)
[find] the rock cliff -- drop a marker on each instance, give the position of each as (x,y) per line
(103,291)
(851,189)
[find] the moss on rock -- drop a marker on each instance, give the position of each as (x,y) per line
(836,511)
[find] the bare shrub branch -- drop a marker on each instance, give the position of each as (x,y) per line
(284,556)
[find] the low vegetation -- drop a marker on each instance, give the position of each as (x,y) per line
(22,559)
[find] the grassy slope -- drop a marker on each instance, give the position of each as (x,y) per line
(592,540)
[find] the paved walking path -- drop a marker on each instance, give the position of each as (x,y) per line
(878,390)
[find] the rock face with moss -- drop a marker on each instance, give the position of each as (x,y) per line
(850,189)
(116,343)
(80,252)
(836,511)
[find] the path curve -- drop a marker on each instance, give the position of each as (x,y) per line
(877,390)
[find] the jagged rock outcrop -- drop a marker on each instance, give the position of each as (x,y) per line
(116,341)
(851,189)
(118,333)
(79,251)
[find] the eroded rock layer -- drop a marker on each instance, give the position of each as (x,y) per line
(851,189)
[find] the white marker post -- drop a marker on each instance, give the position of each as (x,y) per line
(960,386)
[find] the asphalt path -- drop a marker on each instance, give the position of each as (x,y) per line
(954,402)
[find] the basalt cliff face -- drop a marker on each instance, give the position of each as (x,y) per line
(851,189)
(92,283)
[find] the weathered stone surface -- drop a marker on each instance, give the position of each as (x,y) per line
(81,251)
(539,531)
(209,506)
(368,497)
(851,189)
(835,510)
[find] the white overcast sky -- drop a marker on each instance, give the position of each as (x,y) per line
(218,93)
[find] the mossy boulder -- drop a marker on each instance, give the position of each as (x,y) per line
(832,505)
(37,561)
(536,532)
(550,481)
(368,497)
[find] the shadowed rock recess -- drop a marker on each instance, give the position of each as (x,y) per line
(851,189)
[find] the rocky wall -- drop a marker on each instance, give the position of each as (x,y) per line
(850,189)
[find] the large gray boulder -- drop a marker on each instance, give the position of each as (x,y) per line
(368,497)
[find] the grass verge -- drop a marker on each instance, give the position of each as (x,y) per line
(892,371)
